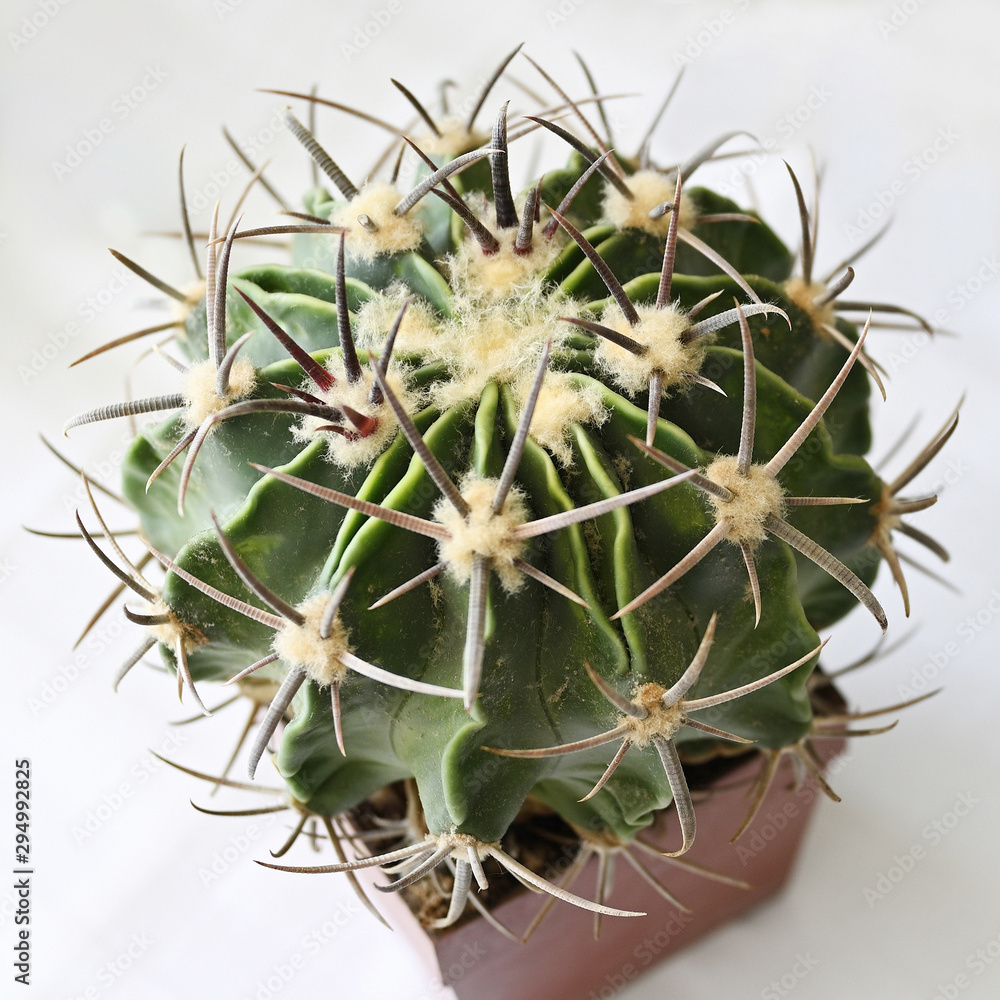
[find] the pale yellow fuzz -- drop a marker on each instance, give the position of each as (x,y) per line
(418,332)
(497,342)
(660,332)
(887,519)
(174,630)
(660,720)
(193,294)
(561,403)
(357,451)
(803,295)
(454,139)
(487,346)
(503,274)
(260,690)
(198,389)
(395,233)
(460,843)
(755,496)
(649,189)
(301,645)
(483,533)
(502,318)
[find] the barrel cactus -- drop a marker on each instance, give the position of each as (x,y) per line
(508,498)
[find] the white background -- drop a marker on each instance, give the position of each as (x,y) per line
(886,81)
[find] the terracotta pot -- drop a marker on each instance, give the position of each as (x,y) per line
(563,961)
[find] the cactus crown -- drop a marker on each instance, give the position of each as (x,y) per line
(480,483)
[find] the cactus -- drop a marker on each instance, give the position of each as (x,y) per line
(510,496)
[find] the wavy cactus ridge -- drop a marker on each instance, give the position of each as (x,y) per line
(485,458)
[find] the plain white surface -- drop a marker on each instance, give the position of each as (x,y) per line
(122,903)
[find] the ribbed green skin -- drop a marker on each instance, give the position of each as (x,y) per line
(534,690)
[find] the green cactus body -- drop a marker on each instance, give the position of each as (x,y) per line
(474,328)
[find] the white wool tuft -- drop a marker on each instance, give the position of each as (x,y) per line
(351,452)
(395,233)
(483,533)
(302,646)
(562,402)
(199,389)
(803,296)
(649,189)
(757,495)
(503,274)
(660,331)
(454,139)
(660,720)
(173,631)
